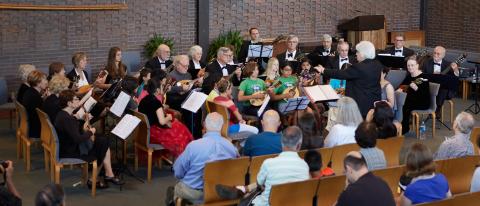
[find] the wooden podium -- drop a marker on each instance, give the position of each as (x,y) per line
(366,28)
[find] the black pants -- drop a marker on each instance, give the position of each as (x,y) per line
(98,151)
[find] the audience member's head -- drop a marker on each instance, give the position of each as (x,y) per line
(348,112)
(366,135)
(271,121)
(355,166)
(50,195)
(24,70)
(365,50)
(291,138)
(214,122)
(383,118)
(310,131)
(419,161)
(314,161)
(464,123)
(58,83)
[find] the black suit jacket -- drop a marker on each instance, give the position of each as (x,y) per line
(192,70)
(428,66)
(214,75)
(406,51)
(154,64)
(363,82)
(316,57)
(72,75)
(295,66)
(333,62)
(243,54)
(449,81)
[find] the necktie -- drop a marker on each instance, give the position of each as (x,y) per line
(438,64)
(290,55)
(344,59)
(398,50)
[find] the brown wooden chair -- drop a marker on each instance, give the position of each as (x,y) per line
(465,199)
(25,141)
(339,153)
(325,152)
(329,189)
(391,175)
(58,163)
(391,148)
(294,193)
(473,137)
(459,172)
(226,172)
(46,138)
(255,164)
(214,107)
(142,142)
(451,103)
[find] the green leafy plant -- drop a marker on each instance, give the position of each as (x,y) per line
(152,44)
(233,38)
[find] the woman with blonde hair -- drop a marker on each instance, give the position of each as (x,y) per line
(272,72)
(347,119)
(33,99)
(23,71)
(55,86)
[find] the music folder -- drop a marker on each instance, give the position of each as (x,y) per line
(389,60)
(319,93)
(258,50)
(126,126)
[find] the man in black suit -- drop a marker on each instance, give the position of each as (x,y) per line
(363,78)
(254,40)
(292,54)
(161,60)
(449,83)
(219,68)
(399,49)
(322,53)
(338,62)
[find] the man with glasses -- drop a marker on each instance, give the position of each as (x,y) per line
(292,54)
(161,60)
(219,68)
(322,53)
(399,48)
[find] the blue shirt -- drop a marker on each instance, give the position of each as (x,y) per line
(263,144)
(190,164)
(427,190)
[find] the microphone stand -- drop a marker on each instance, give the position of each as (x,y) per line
(475,107)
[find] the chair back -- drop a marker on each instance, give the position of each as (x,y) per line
(142,131)
(339,153)
(459,172)
(54,141)
(396,77)
(255,165)
(226,172)
(45,134)
(22,113)
(473,137)
(391,176)
(325,152)
(467,199)
(294,193)
(399,102)
(434,88)
(214,107)
(391,148)
(329,189)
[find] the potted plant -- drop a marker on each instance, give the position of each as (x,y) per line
(152,44)
(233,38)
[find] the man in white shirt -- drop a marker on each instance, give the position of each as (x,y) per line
(399,48)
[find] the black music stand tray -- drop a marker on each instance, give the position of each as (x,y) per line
(260,50)
(475,107)
(295,104)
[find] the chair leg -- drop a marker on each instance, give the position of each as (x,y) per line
(149,166)
(46,159)
(52,170)
(433,124)
(136,159)
(441,113)
(94,178)
(84,173)
(451,111)
(57,174)
(417,125)
(125,152)
(19,146)
(27,156)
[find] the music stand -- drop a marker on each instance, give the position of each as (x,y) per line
(391,61)
(475,107)
(295,104)
(256,51)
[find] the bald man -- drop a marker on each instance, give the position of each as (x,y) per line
(363,188)
(268,141)
(448,83)
(161,60)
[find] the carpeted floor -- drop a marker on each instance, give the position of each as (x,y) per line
(134,192)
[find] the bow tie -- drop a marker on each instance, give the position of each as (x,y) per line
(438,64)
(344,59)
(398,50)
(290,55)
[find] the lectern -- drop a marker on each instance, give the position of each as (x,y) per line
(366,28)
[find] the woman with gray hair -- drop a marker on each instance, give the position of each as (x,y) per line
(347,119)
(196,67)
(363,78)
(23,71)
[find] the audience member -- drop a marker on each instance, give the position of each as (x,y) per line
(9,195)
(268,141)
(459,145)
(50,195)
(347,119)
(366,137)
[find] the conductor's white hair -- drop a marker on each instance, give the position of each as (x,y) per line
(367,49)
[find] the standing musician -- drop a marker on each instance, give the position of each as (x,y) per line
(399,48)
(219,68)
(254,40)
(196,68)
(161,60)
(292,53)
(285,87)
(251,90)
(321,53)
(363,78)
(437,65)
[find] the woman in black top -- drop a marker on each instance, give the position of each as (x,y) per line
(382,116)
(196,65)
(81,143)
(115,68)
(24,70)
(32,99)
(55,86)
(418,92)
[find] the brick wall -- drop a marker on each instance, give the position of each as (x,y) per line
(308,19)
(40,37)
(453,24)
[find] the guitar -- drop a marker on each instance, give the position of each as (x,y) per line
(449,82)
(85,88)
(460,59)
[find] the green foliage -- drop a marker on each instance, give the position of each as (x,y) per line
(230,38)
(152,44)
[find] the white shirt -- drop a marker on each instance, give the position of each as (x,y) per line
(437,68)
(197,65)
(326,52)
(290,58)
(162,63)
(340,135)
(340,62)
(398,53)
(224,69)
(82,81)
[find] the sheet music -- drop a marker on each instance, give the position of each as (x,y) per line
(126,126)
(321,93)
(329,92)
(120,104)
(88,105)
(87,95)
(194,101)
(264,105)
